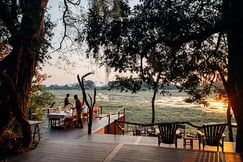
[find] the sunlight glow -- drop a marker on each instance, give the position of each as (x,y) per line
(217,104)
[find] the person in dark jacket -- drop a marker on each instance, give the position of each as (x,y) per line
(66,100)
(79,111)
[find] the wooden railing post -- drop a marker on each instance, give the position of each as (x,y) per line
(119,113)
(109,121)
(115,127)
(101,110)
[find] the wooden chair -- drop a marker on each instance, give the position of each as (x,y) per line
(68,122)
(181,131)
(181,134)
(167,133)
(96,110)
(85,112)
(68,108)
(72,120)
(59,109)
(51,110)
(136,132)
(212,135)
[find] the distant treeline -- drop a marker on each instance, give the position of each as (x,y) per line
(91,85)
(88,85)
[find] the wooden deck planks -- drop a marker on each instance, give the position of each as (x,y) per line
(74,133)
(66,151)
(75,145)
(139,153)
(97,148)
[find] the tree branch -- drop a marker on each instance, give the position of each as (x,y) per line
(6,17)
(81,83)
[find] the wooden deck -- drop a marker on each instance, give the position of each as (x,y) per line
(116,150)
(74,133)
(75,145)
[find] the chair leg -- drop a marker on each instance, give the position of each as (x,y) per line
(222,145)
(203,146)
(176,143)
(199,143)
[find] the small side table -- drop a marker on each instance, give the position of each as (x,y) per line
(35,128)
(188,141)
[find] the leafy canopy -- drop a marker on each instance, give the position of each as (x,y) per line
(177,42)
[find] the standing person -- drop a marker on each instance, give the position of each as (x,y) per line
(66,100)
(67,105)
(79,111)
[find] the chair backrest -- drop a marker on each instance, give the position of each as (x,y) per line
(74,113)
(213,133)
(96,109)
(68,107)
(51,110)
(59,108)
(181,130)
(168,132)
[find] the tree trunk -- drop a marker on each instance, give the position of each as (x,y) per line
(155,88)
(21,63)
(234,17)
(153,104)
(229,117)
(237,108)
(90,121)
(91,104)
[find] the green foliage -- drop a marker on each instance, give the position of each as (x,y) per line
(126,84)
(46,39)
(7,33)
(38,99)
(164,42)
(89,84)
(10,143)
(138,106)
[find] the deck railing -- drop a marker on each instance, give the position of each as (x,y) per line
(130,128)
(120,111)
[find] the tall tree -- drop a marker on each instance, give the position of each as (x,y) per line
(22,28)
(182,27)
(147,42)
(233,18)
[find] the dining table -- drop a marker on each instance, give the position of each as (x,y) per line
(57,119)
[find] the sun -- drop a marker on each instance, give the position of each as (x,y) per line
(219,104)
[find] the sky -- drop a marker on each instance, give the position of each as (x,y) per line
(64,72)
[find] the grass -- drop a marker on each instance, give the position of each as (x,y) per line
(169,108)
